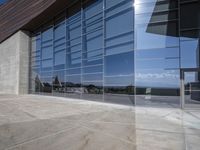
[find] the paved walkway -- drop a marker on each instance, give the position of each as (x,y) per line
(48,123)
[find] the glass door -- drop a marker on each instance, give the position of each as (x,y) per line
(191,88)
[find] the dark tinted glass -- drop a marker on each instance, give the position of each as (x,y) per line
(190,15)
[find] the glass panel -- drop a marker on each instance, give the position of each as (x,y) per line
(155,6)
(93,9)
(94,69)
(59,58)
(157,87)
(35,82)
(73,62)
(73,71)
(120,39)
(92,53)
(110,3)
(163,53)
(189,15)
(95,41)
(120,64)
(73,86)
(192,89)
(59,83)
(119,89)
(155,17)
(34,87)
(120,48)
(46,85)
(47,60)
(45,74)
(35,58)
(47,63)
(74,42)
(92,91)
(75,32)
(47,35)
(59,31)
(121,23)
(119,54)
(190,35)
(47,52)
(92,77)
(125,5)
(157,53)
(158,63)
(190,56)
(123,99)
(156,36)
(119,78)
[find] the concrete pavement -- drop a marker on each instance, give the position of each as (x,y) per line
(33,122)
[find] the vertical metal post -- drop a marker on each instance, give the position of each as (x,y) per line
(182,90)
(53,57)
(82,49)
(65,65)
(40,70)
(103,49)
(134,49)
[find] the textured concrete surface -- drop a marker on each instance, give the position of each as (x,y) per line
(31,122)
(14,54)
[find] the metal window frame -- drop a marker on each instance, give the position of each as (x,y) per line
(182,86)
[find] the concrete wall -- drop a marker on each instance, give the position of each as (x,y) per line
(14,64)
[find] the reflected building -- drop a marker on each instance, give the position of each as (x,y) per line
(117,51)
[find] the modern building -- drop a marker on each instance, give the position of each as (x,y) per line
(142,52)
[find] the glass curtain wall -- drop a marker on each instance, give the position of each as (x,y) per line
(59,56)
(86,52)
(189,30)
(35,57)
(190,48)
(157,52)
(92,50)
(46,71)
(73,51)
(119,51)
